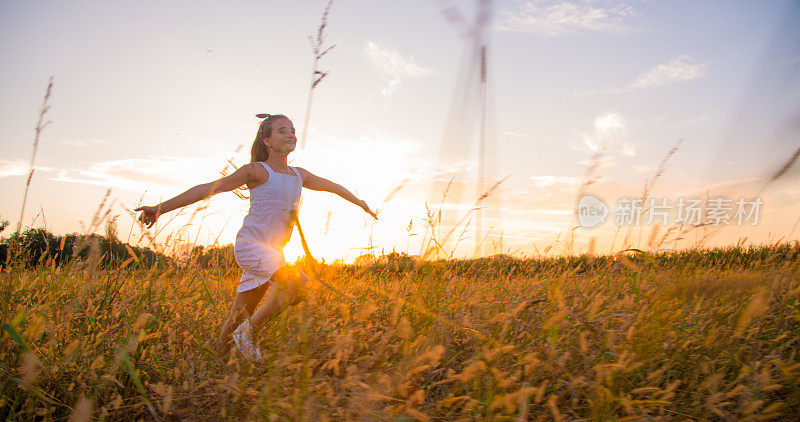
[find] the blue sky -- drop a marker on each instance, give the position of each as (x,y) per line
(158,95)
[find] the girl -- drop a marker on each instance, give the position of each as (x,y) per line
(274,195)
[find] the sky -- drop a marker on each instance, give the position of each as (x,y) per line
(581,98)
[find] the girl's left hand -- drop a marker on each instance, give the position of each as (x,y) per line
(365,207)
(149,215)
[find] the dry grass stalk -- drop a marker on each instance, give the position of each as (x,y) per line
(440,244)
(177,242)
(781,171)
(396,190)
(40,125)
(794,226)
(648,188)
(316,75)
(433,220)
(100,213)
(589,178)
(662,167)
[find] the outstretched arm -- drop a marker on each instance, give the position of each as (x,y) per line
(313,182)
(228,183)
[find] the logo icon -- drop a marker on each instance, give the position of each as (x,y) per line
(591,211)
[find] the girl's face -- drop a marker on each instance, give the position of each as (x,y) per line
(282,139)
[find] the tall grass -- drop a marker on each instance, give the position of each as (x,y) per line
(702,334)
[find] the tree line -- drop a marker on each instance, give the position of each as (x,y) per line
(35,247)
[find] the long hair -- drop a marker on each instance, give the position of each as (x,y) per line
(259,152)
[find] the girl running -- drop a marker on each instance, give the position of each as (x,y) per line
(274,195)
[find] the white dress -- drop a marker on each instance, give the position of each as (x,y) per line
(267,227)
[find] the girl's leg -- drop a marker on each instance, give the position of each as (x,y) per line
(243,307)
(287,288)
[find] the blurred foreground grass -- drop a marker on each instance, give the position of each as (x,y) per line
(693,335)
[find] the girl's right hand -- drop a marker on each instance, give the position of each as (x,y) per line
(365,207)
(149,215)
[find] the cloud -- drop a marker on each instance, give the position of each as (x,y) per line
(18,168)
(158,174)
(639,168)
(795,60)
(678,69)
(549,180)
(394,66)
(629,150)
(559,18)
(392,63)
(609,122)
(82,142)
(609,130)
(12,168)
(513,134)
(607,127)
(389,90)
(694,120)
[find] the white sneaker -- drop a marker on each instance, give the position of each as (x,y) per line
(243,337)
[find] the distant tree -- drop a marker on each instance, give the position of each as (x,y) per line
(38,246)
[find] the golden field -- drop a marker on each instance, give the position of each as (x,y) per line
(693,335)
